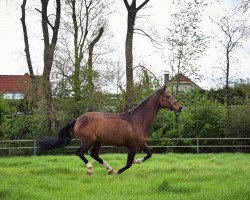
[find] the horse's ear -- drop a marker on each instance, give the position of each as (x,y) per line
(162,89)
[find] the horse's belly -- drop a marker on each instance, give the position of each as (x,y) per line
(114,132)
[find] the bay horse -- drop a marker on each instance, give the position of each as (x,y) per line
(129,129)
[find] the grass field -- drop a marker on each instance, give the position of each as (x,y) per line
(166,176)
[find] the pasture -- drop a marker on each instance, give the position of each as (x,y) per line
(164,176)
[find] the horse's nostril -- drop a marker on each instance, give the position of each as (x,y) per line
(180,109)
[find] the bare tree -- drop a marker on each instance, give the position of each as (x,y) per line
(132,10)
(185,39)
(88,27)
(244,5)
(234,31)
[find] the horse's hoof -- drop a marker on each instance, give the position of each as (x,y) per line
(89,173)
(89,168)
(111,172)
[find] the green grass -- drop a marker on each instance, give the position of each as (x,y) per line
(166,176)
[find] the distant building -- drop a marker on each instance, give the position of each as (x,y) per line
(185,84)
(14,86)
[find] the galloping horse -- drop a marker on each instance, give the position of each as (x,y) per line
(129,129)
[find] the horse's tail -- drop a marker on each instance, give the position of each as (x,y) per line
(63,139)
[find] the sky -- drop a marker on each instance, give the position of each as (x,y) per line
(12,58)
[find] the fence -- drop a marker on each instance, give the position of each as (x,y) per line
(29,147)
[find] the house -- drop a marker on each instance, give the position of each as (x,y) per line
(14,86)
(185,84)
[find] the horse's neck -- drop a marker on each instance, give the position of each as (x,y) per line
(145,115)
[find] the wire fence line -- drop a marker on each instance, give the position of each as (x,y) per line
(8,147)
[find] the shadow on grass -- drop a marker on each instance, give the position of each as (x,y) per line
(166,187)
(5,193)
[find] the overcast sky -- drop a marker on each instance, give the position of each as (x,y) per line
(12,59)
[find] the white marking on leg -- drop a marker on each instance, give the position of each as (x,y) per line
(109,168)
(138,161)
(89,168)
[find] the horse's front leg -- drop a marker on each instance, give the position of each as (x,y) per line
(130,159)
(148,152)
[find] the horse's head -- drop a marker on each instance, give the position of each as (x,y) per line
(166,101)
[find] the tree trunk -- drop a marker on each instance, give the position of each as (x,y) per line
(48,56)
(227,77)
(90,60)
(76,79)
(129,59)
(77,59)
(227,89)
(34,89)
(132,11)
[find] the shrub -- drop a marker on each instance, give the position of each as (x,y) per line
(201,117)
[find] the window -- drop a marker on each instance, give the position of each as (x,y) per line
(18,96)
(13,96)
(8,96)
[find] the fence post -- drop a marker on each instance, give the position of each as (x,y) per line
(34,153)
(197,146)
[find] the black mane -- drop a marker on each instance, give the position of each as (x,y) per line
(129,113)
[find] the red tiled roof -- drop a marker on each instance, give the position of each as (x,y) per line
(185,79)
(182,78)
(13,83)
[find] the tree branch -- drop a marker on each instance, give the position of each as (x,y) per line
(57,22)
(51,26)
(146,69)
(26,40)
(91,46)
(45,22)
(126,4)
(153,41)
(143,4)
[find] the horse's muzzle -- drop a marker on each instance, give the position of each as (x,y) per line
(179,110)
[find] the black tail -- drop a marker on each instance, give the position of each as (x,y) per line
(64,138)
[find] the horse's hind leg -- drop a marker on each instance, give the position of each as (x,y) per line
(131,156)
(148,152)
(95,154)
(80,152)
